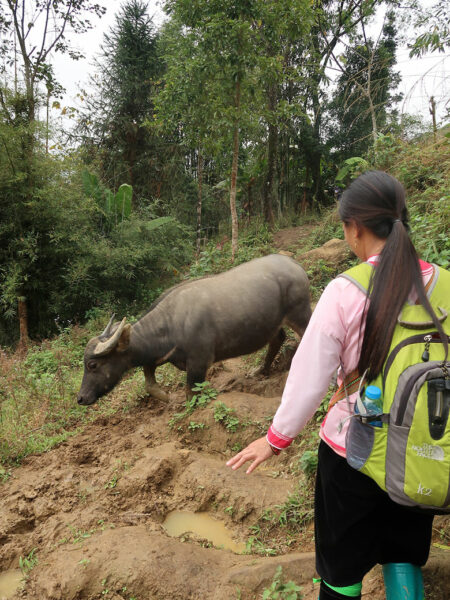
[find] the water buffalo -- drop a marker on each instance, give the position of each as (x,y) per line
(199,322)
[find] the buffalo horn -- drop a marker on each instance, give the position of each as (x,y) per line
(107,331)
(103,348)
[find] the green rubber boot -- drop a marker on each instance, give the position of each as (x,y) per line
(403,581)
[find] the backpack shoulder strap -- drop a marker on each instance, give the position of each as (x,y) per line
(441,280)
(359,275)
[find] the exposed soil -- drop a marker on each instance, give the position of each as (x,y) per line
(94,507)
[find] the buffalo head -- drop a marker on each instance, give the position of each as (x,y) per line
(105,361)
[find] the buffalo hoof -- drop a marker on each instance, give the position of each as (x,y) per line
(156,392)
(258,372)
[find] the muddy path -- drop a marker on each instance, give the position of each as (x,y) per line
(88,517)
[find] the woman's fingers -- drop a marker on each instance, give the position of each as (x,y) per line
(257,452)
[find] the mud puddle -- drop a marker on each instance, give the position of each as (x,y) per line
(10,582)
(202,525)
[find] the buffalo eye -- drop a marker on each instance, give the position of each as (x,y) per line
(92,365)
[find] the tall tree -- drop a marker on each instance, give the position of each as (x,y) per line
(364,93)
(120,101)
(282,24)
(221,41)
(334,21)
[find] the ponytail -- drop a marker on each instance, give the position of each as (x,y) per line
(376,200)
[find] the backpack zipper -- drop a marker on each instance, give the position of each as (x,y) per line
(426,338)
(408,388)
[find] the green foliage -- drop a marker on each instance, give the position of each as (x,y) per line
(255,546)
(435,242)
(296,512)
(115,207)
(27,563)
(4,474)
(193,426)
(205,394)
(255,241)
(435,21)
(352,167)
(279,590)
(223,414)
(308,462)
(70,245)
(423,166)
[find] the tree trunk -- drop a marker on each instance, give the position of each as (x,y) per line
(23,323)
(47,115)
(234,170)
(316,154)
(271,157)
(304,200)
(199,198)
(432,110)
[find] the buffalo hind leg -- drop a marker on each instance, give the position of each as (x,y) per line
(274,345)
(151,387)
(298,320)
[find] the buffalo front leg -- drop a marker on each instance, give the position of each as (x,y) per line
(151,387)
(196,373)
(274,345)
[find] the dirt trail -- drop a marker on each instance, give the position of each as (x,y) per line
(94,507)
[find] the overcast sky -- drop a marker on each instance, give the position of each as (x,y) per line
(421,78)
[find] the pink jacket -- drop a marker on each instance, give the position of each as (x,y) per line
(331,339)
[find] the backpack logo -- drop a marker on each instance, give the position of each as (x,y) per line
(429,451)
(424,491)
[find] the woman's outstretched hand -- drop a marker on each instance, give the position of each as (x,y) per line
(258,451)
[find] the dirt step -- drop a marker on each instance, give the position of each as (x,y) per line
(207,483)
(200,430)
(132,561)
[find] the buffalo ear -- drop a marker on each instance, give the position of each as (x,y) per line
(124,340)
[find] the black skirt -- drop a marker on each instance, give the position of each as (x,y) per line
(358,526)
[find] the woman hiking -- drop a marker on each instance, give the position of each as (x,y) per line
(357,525)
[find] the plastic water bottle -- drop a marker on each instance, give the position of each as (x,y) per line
(373,404)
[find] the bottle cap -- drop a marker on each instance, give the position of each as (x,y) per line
(373,392)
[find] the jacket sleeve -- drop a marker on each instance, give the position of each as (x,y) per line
(316,360)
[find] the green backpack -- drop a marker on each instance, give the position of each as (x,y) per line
(409,455)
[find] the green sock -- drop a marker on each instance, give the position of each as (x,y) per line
(349,590)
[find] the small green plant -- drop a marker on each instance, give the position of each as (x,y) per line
(121,467)
(111,484)
(27,563)
(82,496)
(105,590)
(223,414)
(255,546)
(193,426)
(84,562)
(4,475)
(296,512)
(281,591)
(308,462)
(205,393)
(78,535)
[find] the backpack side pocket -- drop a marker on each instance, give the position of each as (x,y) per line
(366,449)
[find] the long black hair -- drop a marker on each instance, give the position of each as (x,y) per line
(376,200)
